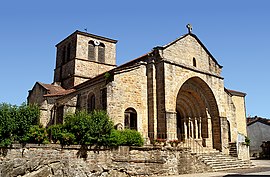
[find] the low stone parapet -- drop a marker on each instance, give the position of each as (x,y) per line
(70,161)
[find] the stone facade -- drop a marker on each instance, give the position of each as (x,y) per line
(173,92)
(54,161)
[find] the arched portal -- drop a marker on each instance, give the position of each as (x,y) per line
(197,114)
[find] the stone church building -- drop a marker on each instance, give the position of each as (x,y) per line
(175,91)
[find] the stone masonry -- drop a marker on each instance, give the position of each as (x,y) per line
(54,161)
(175,91)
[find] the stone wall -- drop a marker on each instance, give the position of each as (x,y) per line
(183,51)
(82,48)
(240,113)
(129,90)
(54,161)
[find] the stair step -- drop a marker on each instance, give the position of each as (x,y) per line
(220,162)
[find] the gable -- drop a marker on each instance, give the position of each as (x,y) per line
(188,50)
(36,94)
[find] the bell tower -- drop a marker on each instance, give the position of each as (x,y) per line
(82,56)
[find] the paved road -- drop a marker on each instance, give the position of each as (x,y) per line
(262,168)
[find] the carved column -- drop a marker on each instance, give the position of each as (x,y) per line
(191,127)
(200,128)
(196,128)
(185,128)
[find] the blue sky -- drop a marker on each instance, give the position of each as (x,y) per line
(237,33)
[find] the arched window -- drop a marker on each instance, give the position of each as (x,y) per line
(91,51)
(91,102)
(229,131)
(194,62)
(130,119)
(101,53)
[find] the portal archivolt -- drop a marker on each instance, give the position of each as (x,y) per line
(197,113)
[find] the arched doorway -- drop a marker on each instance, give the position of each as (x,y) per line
(197,114)
(130,119)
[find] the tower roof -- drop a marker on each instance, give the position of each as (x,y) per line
(89,35)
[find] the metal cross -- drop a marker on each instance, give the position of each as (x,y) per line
(189,27)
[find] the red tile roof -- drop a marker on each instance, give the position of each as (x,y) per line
(55,90)
(236,93)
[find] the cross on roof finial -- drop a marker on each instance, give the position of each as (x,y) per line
(189,27)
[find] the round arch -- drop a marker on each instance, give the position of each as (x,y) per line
(197,113)
(130,121)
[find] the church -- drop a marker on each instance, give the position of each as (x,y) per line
(174,91)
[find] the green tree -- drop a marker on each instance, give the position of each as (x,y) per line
(26,116)
(15,122)
(7,123)
(89,129)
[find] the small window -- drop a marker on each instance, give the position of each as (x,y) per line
(91,51)
(91,102)
(130,119)
(104,98)
(194,62)
(59,115)
(78,103)
(101,53)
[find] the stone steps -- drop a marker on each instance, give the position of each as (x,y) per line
(220,162)
(232,149)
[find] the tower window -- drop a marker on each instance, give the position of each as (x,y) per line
(96,51)
(101,53)
(91,51)
(194,62)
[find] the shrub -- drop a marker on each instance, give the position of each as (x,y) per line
(66,138)
(101,127)
(247,141)
(54,132)
(89,129)
(37,135)
(116,138)
(132,138)
(79,125)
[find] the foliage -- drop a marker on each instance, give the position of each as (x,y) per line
(37,135)
(132,138)
(54,132)
(89,129)
(21,124)
(66,138)
(7,123)
(116,138)
(15,122)
(247,141)
(108,77)
(26,116)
